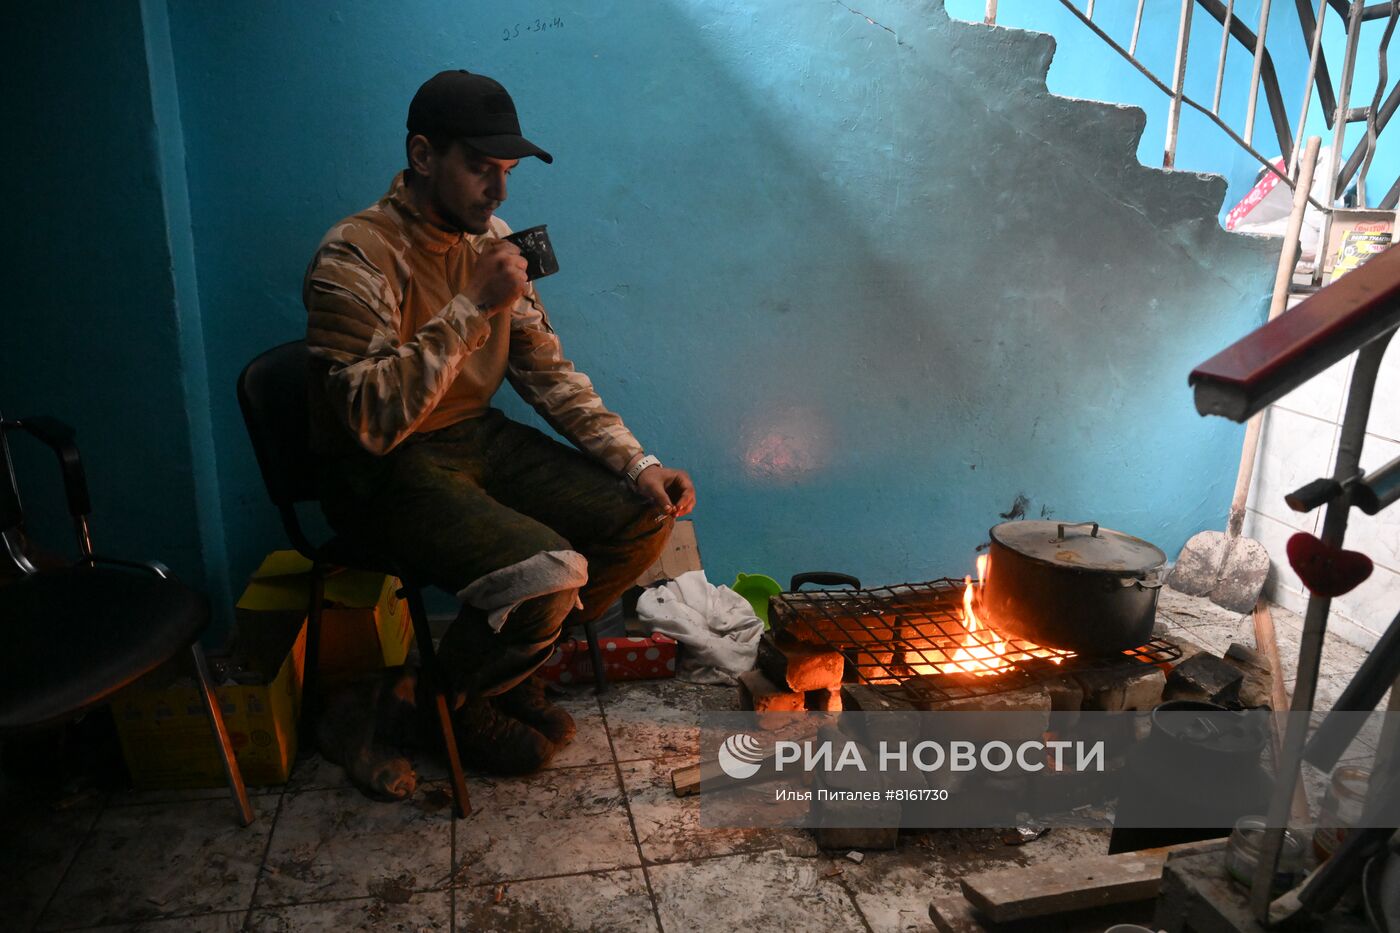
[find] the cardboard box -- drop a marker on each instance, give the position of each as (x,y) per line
(365,626)
(626,658)
(166,737)
(682,554)
(1356,235)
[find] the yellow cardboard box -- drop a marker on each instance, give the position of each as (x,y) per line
(165,734)
(365,626)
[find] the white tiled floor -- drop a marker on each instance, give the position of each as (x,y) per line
(598,841)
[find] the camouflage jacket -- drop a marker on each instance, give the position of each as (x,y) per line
(396,349)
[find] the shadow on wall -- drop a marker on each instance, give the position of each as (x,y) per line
(856,271)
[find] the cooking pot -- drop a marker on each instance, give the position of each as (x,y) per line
(1072,585)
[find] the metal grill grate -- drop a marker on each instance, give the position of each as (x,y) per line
(913,636)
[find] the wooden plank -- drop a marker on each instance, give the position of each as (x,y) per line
(708,776)
(1272,360)
(1267,644)
(1060,886)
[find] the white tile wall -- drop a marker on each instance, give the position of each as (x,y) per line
(1297,445)
(1321,396)
(1385,407)
(1294,449)
(1283,586)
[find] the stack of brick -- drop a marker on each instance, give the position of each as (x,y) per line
(791,677)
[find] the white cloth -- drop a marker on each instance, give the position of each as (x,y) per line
(501,591)
(715,626)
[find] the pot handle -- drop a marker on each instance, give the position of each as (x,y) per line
(823,578)
(1063,525)
(1126,582)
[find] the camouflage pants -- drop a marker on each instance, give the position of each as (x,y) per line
(454,505)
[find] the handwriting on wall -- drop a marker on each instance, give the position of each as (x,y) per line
(521,30)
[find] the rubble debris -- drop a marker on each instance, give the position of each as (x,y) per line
(1022,833)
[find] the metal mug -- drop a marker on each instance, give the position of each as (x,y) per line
(534,245)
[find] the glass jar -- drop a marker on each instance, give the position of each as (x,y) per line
(1341,809)
(1242,854)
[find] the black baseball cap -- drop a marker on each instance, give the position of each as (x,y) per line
(474,109)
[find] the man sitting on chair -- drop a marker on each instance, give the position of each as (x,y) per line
(417,312)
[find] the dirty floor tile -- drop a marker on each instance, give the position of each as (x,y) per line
(313,772)
(668,826)
(128,798)
(602,901)
(36,847)
(893,889)
(333,844)
(316,773)
(590,745)
(755,891)
(550,823)
(162,860)
(651,719)
(206,923)
(423,912)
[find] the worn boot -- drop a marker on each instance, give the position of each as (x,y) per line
(365,728)
(527,702)
(493,741)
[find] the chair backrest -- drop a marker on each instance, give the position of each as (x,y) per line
(11,511)
(272,393)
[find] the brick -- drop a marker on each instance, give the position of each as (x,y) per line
(871,666)
(828,701)
(799,667)
(758,693)
(772,704)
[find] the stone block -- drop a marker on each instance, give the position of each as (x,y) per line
(1257,689)
(1205,677)
(1122,688)
(798,666)
(899,719)
(1032,699)
(876,699)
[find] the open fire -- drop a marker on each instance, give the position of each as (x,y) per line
(982,652)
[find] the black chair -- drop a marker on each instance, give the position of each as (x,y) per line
(77,634)
(272,391)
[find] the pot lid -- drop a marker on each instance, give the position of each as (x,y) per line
(1079,546)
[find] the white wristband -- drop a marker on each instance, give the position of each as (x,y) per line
(640,465)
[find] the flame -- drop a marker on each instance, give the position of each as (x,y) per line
(982,652)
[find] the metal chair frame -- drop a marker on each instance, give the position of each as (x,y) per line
(59,437)
(280,454)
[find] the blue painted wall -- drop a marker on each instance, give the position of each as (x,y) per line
(93,331)
(859,273)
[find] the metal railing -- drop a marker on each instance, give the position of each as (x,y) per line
(1335,105)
